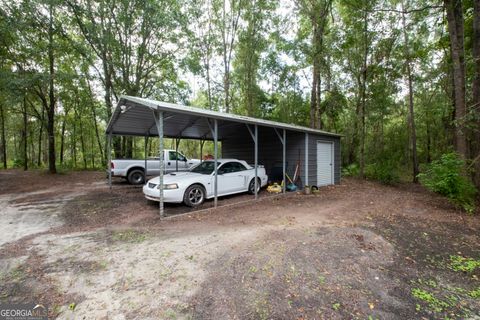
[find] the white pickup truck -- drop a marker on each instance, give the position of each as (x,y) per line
(134,170)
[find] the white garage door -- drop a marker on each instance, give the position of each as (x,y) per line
(324,163)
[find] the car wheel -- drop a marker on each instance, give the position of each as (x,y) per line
(251,186)
(194,195)
(136,177)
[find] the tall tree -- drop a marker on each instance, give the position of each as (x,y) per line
(476,90)
(252,43)
(317,12)
(409,76)
(227,18)
(205,45)
(51,91)
(137,43)
(455,23)
(3,140)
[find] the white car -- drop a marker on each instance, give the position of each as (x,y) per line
(196,185)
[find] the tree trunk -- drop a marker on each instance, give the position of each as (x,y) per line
(82,138)
(476,90)
(226,63)
(94,116)
(313,98)
(3,138)
(429,139)
(82,145)
(455,29)
(31,154)
(40,137)
(319,111)
(73,143)
(226,85)
(62,138)
(128,153)
(92,146)
(51,108)
(363,95)
(411,118)
(209,85)
(24,135)
(97,134)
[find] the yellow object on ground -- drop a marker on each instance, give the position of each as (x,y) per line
(274,188)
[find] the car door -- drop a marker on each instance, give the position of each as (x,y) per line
(230,178)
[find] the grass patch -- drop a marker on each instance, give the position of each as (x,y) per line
(131,236)
(262,308)
(475,294)
(462,264)
(445,302)
(336,306)
(432,302)
(16,274)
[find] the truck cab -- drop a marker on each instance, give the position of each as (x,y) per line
(136,170)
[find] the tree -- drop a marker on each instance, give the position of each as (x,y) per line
(204,45)
(37,37)
(136,42)
(252,43)
(227,16)
(455,23)
(317,13)
(409,76)
(476,91)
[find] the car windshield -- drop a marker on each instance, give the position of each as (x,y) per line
(205,167)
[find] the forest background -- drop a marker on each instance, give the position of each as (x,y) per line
(399,78)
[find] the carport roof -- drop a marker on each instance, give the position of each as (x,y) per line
(135,116)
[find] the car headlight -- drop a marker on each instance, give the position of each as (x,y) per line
(169,186)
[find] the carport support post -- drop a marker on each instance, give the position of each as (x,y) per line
(284,159)
(254,135)
(109,154)
(215,139)
(145,171)
(283,140)
(159,123)
(306,159)
(256,162)
(177,141)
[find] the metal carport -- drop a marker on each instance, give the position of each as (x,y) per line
(135,116)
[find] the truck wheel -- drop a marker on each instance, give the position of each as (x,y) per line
(251,186)
(136,177)
(194,195)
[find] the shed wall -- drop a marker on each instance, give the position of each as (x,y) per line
(241,146)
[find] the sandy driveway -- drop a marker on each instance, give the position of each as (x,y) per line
(358,250)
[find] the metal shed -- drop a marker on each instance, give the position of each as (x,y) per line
(277,146)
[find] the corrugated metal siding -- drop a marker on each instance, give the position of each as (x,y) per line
(270,151)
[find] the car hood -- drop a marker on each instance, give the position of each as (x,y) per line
(175,177)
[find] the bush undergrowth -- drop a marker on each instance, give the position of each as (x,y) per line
(447,177)
(385,172)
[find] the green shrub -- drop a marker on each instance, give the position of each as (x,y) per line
(385,172)
(446,176)
(352,170)
(17,163)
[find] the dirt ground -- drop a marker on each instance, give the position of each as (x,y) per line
(359,250)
